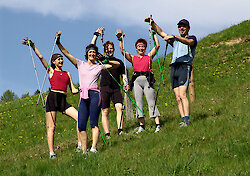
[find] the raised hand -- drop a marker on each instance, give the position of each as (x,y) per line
(148,20)
(27,41)
(119,34)
(58,35)
(100,30)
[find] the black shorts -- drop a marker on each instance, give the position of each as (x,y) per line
(108,94)
(56,102)
(180,74)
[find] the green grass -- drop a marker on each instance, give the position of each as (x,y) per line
(216,142)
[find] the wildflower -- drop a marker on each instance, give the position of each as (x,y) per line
(21,137)
(166,104)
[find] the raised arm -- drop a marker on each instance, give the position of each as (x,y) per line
(155,27)
(97,33)
(71,58)
(71,85)
(120,37)
(28,42)
(156,47)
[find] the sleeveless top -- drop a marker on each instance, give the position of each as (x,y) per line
(59,80)
(141,64)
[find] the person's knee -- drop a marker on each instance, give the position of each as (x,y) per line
(51,127)
(81,128)
(178,98)
(183,96)
(119,107)
(93,123)
(82,125)
(105,111)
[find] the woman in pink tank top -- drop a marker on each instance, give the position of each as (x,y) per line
(90,100)
(56,99)
(142,78)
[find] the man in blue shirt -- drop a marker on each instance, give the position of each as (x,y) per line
(181,64)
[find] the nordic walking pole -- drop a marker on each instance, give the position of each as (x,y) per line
(157,54)
(45,76)
(103,43)
(165,54)
(128,104)
(125,67)
(28,42)
(102,136)
(150,57)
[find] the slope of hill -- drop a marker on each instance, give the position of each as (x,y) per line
(216,142)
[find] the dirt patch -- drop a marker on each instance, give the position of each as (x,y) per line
(232,41)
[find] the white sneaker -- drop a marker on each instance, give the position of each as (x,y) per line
(85,152)
(93,150)
(140,129)
(183,124)
(79,149)
(158,128)
(52,156)
(120,133)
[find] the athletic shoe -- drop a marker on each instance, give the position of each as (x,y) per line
(85,152)
(183,124)
(158,128)
(79,149)
(52,156)
(140,129)
(107,135)
(93,150)
(120,132)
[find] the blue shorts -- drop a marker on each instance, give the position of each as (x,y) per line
(90,107)
(180,75)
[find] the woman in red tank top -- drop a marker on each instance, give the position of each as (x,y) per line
(56,99)
(142,65)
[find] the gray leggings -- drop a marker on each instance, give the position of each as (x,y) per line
(141,86)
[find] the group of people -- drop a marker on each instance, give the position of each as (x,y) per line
(94,100)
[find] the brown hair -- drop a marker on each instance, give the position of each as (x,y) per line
(105,45)
(90,47)
(141,40)
(53,58)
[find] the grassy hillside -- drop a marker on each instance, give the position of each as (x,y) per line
(216,142)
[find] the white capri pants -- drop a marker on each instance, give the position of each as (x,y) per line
(141,86)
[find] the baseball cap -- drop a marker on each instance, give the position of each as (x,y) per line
(183,21)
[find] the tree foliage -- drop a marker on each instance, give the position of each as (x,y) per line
(8,96)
